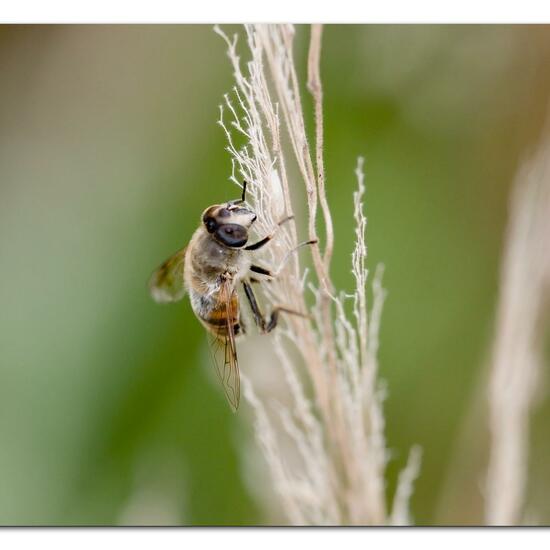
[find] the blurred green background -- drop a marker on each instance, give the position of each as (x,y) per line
(109,151)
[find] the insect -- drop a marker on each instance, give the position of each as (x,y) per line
(210,268)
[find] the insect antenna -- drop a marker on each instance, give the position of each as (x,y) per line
(243,195)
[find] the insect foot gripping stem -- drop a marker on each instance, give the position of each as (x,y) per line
(274,318)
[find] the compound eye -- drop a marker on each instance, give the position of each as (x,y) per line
(210,224)
(232,235)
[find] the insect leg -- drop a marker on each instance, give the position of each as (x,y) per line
(289,254)
(274,318)
(263,325)
(261,270)
(258,317)
(265,240)
(240,327)
(259,244)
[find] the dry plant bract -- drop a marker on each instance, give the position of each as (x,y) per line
(334,417)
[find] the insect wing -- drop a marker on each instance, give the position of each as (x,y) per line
(166,283)
(224,350)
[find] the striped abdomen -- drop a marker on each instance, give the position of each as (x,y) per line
(210,279)
(213,313)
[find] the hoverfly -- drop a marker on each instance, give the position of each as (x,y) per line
(210,268)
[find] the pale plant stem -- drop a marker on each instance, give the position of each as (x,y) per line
(292,109)
(293,112)
(400,512)
(258,42)
(316,89)
(333,413)
(360,305)
(516,356)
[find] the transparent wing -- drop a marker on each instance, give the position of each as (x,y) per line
(224,350)
(166,283)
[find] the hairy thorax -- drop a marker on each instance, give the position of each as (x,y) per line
(208,265)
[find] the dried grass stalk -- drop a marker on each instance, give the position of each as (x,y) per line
(516,356)
(333,419)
